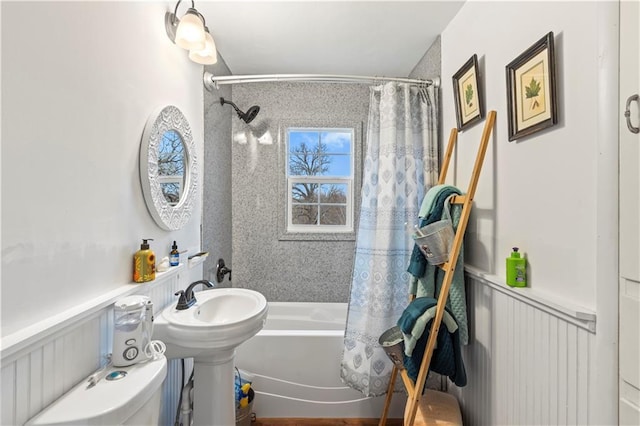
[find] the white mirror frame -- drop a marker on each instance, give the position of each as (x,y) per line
(168,217)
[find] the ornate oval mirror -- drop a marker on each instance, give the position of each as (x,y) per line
(168,168)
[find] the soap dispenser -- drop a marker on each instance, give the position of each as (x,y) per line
(144,263)
(516,269)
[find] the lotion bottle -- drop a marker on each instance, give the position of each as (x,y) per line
(144,263)
(516,269)
(174,255)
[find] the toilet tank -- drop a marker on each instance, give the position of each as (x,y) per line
(122,396)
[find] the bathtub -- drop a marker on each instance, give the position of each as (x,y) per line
(295,360)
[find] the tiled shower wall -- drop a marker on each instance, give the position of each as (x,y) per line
(286,270)
(216,175)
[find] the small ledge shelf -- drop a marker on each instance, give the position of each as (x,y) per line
(197,259)
(577,315)
(21,339)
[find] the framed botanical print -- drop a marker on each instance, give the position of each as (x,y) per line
(467,91)
(531,87)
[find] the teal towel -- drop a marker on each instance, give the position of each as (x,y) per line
(428,284)
(447,356)
(431,196)
(415,319)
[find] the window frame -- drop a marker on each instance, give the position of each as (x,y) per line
(289,231)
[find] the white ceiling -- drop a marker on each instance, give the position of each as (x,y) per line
(373,38)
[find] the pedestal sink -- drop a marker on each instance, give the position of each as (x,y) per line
(209,331)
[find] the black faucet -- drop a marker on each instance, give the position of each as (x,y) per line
(187,298)
(222,270)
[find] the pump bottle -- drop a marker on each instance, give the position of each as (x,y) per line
(174,255)
(144,263)
(516,269)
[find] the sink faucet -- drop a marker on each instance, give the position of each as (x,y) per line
(187,298)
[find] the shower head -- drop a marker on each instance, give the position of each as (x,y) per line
(248,116)
(251,114)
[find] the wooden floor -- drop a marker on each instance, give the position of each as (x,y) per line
(323,422)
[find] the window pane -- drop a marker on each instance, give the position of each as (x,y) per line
(338,165)
(303,138)
(304,193)
(171,192)
(306,162)
(336,142)
(334,193)
(304,215)
(333,215)
(171,154)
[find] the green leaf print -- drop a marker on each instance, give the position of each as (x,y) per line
(532,90)
(468,94)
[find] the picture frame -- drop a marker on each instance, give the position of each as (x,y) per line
(468,94)
(531,89)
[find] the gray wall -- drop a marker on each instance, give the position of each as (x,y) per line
(216,217)
(318,271)
(429,67)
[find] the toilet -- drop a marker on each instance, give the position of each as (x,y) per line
(122,396)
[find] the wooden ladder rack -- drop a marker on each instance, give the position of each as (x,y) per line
(433,406)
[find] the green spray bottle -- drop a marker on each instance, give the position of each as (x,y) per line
(516,269)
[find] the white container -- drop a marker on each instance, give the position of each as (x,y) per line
(133,399)
(132,316)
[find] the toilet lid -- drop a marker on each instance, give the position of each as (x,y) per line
(109,401)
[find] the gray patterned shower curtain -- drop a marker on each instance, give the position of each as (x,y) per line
(401,164)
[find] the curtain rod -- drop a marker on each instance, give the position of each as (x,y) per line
(211,81)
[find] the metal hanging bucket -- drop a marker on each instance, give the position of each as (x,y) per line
(392,341)
(435,239)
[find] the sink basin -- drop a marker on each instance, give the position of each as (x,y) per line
(221,318)
(229,307)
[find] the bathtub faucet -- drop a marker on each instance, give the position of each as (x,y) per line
(222,270)
(187,298)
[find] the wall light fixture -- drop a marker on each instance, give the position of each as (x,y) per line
(191,34)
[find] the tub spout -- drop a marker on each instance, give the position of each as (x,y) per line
(222,270)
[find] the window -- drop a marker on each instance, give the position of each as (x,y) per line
(171,166)
(320,180)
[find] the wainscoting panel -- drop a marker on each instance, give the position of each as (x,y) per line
(526,363)
(64,353)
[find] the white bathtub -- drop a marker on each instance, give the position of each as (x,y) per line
(295,361)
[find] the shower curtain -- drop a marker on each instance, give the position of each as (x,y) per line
(400,165)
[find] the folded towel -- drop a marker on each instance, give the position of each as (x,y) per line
(415,319)
(446,358)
